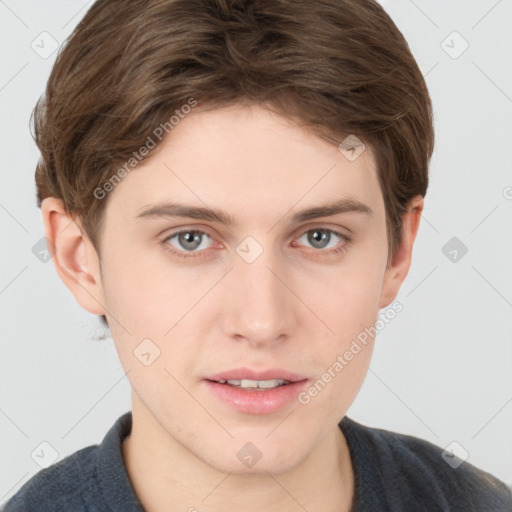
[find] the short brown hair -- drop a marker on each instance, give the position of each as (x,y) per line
(337,67)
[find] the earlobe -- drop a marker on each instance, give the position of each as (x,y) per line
(75,258)
(398,268)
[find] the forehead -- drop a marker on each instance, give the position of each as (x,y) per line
(246,159)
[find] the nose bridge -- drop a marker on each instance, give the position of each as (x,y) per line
(261,302)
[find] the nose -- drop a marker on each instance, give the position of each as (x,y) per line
(262,308)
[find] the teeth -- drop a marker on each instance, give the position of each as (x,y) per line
(263,384)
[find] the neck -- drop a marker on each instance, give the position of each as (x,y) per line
(167,476)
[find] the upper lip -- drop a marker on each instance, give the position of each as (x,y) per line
(247,373)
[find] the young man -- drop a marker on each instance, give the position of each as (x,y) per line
(236,187)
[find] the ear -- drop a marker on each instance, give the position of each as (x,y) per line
(398,268)
(75,258)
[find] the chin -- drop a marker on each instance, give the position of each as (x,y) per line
(247,459)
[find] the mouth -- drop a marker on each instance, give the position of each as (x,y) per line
(247,378)
(257,392)
(254,385)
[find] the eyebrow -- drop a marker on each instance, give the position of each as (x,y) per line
(169,209)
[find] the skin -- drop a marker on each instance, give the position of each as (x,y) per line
(294,307)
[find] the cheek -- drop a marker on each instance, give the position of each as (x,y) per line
(148,298)
(347,296)
(139,289)
(348,317)
(348,306)
(347,301)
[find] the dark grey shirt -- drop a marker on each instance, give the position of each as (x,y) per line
(393,472)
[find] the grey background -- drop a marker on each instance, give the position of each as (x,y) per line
(442,369)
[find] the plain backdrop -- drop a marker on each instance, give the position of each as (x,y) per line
(441,370)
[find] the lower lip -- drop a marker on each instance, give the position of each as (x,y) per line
(260,401)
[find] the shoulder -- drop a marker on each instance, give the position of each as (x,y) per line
(406,472)
(58,487)
(93,478)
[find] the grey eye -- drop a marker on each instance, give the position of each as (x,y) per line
(189,240)
(320,238)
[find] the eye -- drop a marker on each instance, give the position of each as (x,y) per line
(320,238)
(188,241)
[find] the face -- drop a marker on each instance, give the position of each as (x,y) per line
(189,297)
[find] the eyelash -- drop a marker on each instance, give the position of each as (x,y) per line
(181,254)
